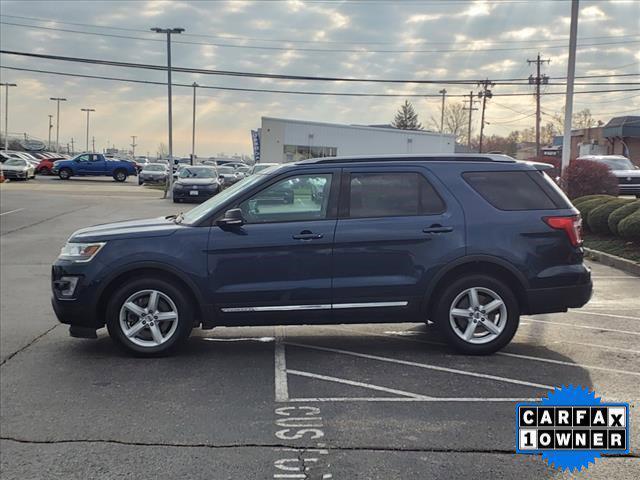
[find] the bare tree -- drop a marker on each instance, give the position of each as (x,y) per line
(456,122)
(581,119)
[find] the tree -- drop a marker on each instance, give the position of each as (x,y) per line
(406,118)
(581,119)
(162,150)
(456,122)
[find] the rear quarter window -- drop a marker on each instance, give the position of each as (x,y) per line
(517,190)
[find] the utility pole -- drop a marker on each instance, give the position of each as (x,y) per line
(484,94)
(168,32)
(193,132)
(133,145)
(58,100)
(537,80)
(443,92)
(571,71)
(50,127)
(88,110)
(73,149)
(93,144)
(6,113)
(470,109)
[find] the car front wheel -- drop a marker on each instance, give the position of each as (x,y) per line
(64,174)
(120,175)
(149,317)
(477,314)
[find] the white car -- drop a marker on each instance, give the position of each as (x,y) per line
(623,169)
(18,169)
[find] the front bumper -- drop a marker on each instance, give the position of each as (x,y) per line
(185,194)
(9,174)
(78,309)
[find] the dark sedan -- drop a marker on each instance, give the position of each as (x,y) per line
(196,183)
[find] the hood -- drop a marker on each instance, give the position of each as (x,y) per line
(196,181)
(150,227)
(17,168)
(626,173)
(153,172)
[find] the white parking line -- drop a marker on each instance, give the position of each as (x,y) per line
(12,211)
(624,317)
(424,365)
(405,399)
(281,385)
(560,324)
(358,384)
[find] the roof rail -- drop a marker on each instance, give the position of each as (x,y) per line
(412,158)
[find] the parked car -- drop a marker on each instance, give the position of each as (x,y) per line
(95,165)
(45,166)
(623,169)
(153,173)
(228,175)
(258,167)
(196,183)
(470,242)
(18,169)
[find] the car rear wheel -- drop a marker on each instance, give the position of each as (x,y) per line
(149,317)
(64,174)
(477,314)
(119,175)
(44,171)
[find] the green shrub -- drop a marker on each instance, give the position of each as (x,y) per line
(621,213)
(586,207)
(629,227)
(586,198)
(599,216)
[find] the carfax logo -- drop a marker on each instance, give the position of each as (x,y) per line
(571,427)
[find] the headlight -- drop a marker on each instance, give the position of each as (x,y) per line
(178,186)
(80,252)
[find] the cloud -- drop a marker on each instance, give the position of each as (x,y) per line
(423,17)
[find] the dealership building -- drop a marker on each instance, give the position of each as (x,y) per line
(283,140)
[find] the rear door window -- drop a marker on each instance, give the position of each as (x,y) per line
(392,194)
(516,190)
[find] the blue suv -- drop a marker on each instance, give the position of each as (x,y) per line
(470,242)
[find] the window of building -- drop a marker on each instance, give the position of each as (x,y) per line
(297,198)
(391,195)
(293,153)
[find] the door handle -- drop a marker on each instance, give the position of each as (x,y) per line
(437,229)
(307,235)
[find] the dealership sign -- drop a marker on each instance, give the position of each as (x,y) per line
(33,145)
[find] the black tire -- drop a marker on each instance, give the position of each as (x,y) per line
(445,302)
(140,182)
(44,171)
(184,320)
(177,200)
(64,174)
(120,176)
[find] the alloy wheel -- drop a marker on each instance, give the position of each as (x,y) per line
(148,318)
(478,315)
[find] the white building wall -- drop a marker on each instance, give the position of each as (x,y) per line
(348,139)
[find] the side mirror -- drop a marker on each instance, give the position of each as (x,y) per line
(232,217)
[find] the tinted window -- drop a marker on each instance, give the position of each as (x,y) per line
(510,190)
(302,197)
(392,195)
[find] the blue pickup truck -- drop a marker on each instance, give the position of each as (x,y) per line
(94,165)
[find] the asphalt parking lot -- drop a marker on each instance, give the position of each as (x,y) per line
(376,401)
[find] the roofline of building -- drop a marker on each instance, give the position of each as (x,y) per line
(361,127)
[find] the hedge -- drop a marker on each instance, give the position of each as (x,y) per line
(599,216)
(620,214)
(629,228)
(587,207)
(586,198)
(585,177)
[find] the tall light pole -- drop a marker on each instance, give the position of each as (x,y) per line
(193,131)
(50,127)
(168,32)
(88,110)
(58,100)
(568,105)
(443,92)
(133,145)
(6,113)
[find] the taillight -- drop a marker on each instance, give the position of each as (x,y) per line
(571,225)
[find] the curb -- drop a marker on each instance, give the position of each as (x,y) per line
(614,261)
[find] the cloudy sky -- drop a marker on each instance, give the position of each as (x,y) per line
(374,39)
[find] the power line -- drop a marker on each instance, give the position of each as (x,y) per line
(283,40)
(277,76)
(322,50)
(295,92)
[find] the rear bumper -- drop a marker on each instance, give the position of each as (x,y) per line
(558,299)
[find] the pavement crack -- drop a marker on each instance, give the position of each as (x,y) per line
(9,357)
(43,221)
(300,450)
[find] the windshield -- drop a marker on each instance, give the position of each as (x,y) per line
(259,168)
(155,168)
(201,211)
(197,172)
(227,170)
(15,162)
(618,163)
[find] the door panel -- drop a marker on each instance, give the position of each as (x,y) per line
(392,258)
